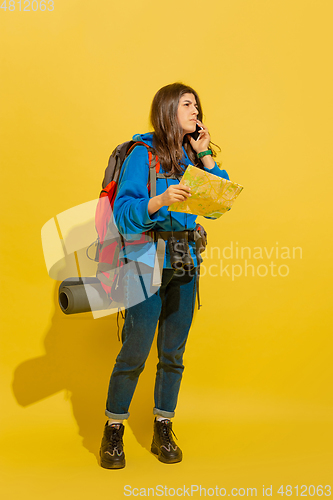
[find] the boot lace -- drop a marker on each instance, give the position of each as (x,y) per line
(115,439)
(166,433)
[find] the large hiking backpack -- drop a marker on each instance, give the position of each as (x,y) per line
(109,240)
(77,295)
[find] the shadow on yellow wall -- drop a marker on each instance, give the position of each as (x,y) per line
(80,354)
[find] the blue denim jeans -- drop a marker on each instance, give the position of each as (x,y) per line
(172,306)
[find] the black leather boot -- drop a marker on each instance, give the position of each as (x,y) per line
(163,444)
(111,452)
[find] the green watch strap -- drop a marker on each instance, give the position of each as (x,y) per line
(204,153)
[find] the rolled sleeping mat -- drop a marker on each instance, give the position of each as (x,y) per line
(79,295)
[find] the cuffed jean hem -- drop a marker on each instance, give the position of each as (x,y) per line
(117,416)
(163,413)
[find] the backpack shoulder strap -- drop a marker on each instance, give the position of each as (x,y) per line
(116,160)
(154,165)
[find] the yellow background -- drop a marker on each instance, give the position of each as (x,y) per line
(256,404)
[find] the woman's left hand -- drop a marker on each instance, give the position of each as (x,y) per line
(202,143)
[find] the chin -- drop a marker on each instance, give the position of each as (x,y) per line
(190,130)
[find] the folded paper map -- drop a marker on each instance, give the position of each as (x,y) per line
(212,196)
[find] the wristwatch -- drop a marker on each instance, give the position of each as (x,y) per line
(204,153)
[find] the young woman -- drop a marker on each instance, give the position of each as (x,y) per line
(175,112)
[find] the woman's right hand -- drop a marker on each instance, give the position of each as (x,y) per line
(175,192)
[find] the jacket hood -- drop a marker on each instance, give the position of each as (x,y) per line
(146,138)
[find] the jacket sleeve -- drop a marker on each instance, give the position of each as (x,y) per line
(220,173)
(130,210)
(217,171)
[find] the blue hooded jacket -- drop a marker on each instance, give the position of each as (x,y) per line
(130,209)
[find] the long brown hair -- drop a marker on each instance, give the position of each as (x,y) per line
(168,134)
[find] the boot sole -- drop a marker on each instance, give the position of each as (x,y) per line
(160,457)
(108,465)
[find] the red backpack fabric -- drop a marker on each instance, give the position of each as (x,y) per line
(109,240)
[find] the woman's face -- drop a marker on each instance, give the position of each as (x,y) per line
(187,113)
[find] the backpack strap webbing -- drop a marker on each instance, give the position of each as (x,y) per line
(154,165)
